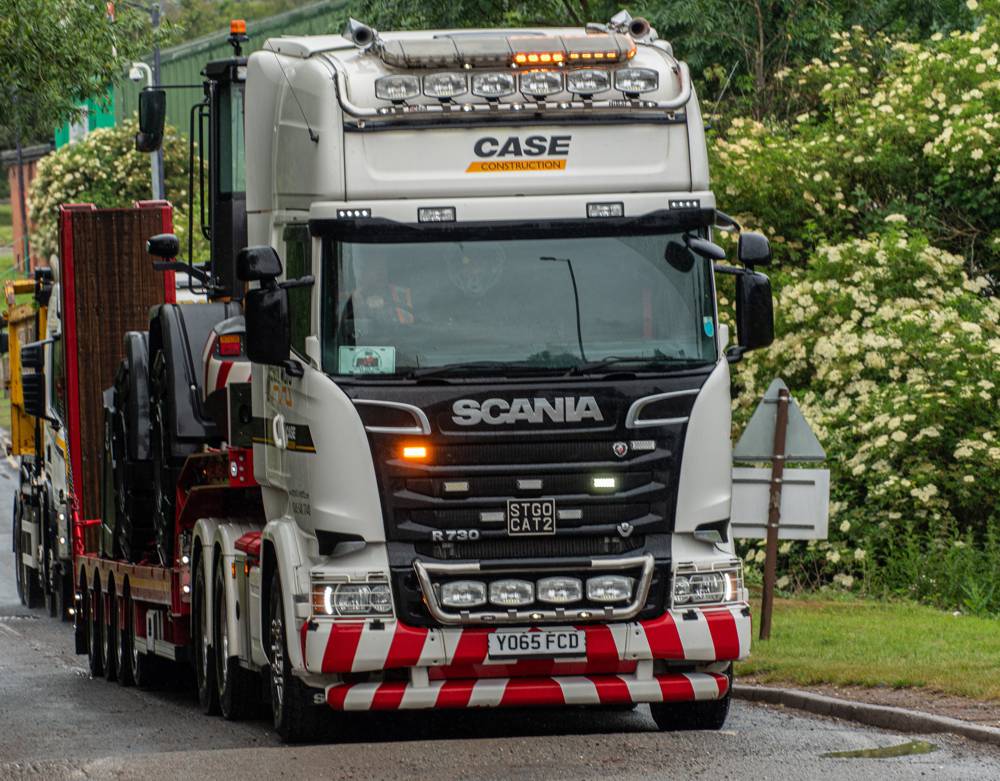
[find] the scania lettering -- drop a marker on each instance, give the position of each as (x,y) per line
(469,412)
(420,416)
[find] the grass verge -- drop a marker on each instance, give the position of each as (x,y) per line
(6,226)
(856,642)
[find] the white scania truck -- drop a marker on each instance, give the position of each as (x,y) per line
(453,431)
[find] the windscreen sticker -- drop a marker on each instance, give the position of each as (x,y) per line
(367,360)
(709,326)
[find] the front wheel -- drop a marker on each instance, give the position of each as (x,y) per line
(296,718)
(28,586)
(698,715)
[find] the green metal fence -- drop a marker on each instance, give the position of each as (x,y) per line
(183,64)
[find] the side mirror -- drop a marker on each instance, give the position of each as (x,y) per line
(32,379)
(269,327)
(754,250)
(163,245)
(152,115)
(258,264)
(754,311)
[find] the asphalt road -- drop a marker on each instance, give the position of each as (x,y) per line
(56,723)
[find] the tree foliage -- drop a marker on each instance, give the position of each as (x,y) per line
(54,53)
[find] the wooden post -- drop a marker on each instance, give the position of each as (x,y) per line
(774,514)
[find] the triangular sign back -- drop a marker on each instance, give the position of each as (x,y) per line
(757,442)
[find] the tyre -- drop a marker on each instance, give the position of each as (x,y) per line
(109,636)
(94,632)
(204,658)
(53,584)
(29,586)
(164,477)
(126,639)
(296,718)
(702,714)
(237,687)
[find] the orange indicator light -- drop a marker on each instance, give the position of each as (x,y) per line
(545,57)
(238,27)
(414,452)
(532,58)
(520,59)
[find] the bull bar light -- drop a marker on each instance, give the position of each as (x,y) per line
(397,88)
(635,81)
(541,84)
(493,86)
(445,86)
(588,81)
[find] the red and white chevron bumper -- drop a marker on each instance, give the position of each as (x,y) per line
(695,634)
(526,692)
(450,667)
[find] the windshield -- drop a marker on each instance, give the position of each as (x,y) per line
(546,305)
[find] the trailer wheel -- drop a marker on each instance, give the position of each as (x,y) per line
(704,714)
(94,632)
(204,658)
(237,686)
(126,638)
(296,718)
(109,635)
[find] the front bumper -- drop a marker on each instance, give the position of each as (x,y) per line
(527,692)
(698,635)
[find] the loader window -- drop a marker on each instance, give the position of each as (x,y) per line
(550,305)
(298,263)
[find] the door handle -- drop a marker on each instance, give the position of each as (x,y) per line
(278,431)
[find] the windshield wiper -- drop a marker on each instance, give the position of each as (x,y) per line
(652,363)
(492,367)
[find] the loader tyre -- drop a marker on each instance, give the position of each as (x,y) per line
(204,653)
(237,686)
(698,715)
(164,475)
(94,615)
(296,718)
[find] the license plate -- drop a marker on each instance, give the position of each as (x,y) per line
(531,517)
(557,642)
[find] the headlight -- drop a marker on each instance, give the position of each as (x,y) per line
(445,85)
(493,85)
(610,588)
(712,587)
(463,593)
(351,599)
(635,81)
(541,83)
(396,88)
(588,82)
(512,593)
(560,591)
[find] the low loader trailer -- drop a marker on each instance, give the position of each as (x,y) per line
(450,425)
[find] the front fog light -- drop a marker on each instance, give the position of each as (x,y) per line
(512,593)
(397,88)
(682,590)
(445,85)
(560,591)
(610,588)
(381,599)
(635,81)
(463,593)
(493,85)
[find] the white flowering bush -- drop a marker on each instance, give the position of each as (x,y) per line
(893,354)
(884,127)
(105,169)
